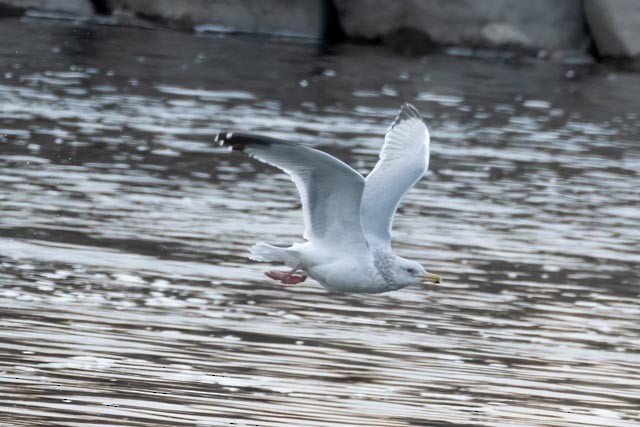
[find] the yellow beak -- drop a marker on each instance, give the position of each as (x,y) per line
(431,278)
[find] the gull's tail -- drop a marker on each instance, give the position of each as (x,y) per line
(264,252)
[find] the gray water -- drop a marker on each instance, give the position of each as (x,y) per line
(127,299)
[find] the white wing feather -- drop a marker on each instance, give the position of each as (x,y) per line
(404,159)
(330,190)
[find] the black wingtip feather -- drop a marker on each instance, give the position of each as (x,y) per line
(239,141)
(407,111)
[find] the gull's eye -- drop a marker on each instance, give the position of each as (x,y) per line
(411,270)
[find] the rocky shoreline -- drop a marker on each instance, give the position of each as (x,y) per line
(602,29)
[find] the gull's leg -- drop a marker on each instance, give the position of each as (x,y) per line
(287,278)
(293,279)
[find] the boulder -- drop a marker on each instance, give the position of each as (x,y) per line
(615,25)
(301,18)
(71,7)
(539,24)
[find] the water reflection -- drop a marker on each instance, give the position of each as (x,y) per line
(127,298)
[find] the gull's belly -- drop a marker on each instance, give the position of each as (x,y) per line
(340,271)
(349,275)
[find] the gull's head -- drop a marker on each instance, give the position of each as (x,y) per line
(407,273)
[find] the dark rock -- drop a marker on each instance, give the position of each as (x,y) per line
(615,25)
(534,25)
(299,18)
(71,7)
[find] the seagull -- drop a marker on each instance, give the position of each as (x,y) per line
(347,218)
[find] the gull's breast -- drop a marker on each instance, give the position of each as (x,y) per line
(349,275)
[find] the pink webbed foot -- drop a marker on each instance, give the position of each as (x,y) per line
(286,277)
(275,275)
(294,279)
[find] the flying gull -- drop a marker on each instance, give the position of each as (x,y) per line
(347,218)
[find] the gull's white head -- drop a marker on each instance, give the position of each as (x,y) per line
(406,273)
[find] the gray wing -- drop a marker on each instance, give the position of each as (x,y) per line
(330,190)
(404,159)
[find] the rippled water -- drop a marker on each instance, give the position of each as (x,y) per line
(126,297)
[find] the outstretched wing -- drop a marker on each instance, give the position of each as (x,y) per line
(404,159)
(330,190)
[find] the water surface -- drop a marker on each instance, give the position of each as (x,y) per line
(127,299)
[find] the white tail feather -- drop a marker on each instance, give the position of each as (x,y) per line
(263,252)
